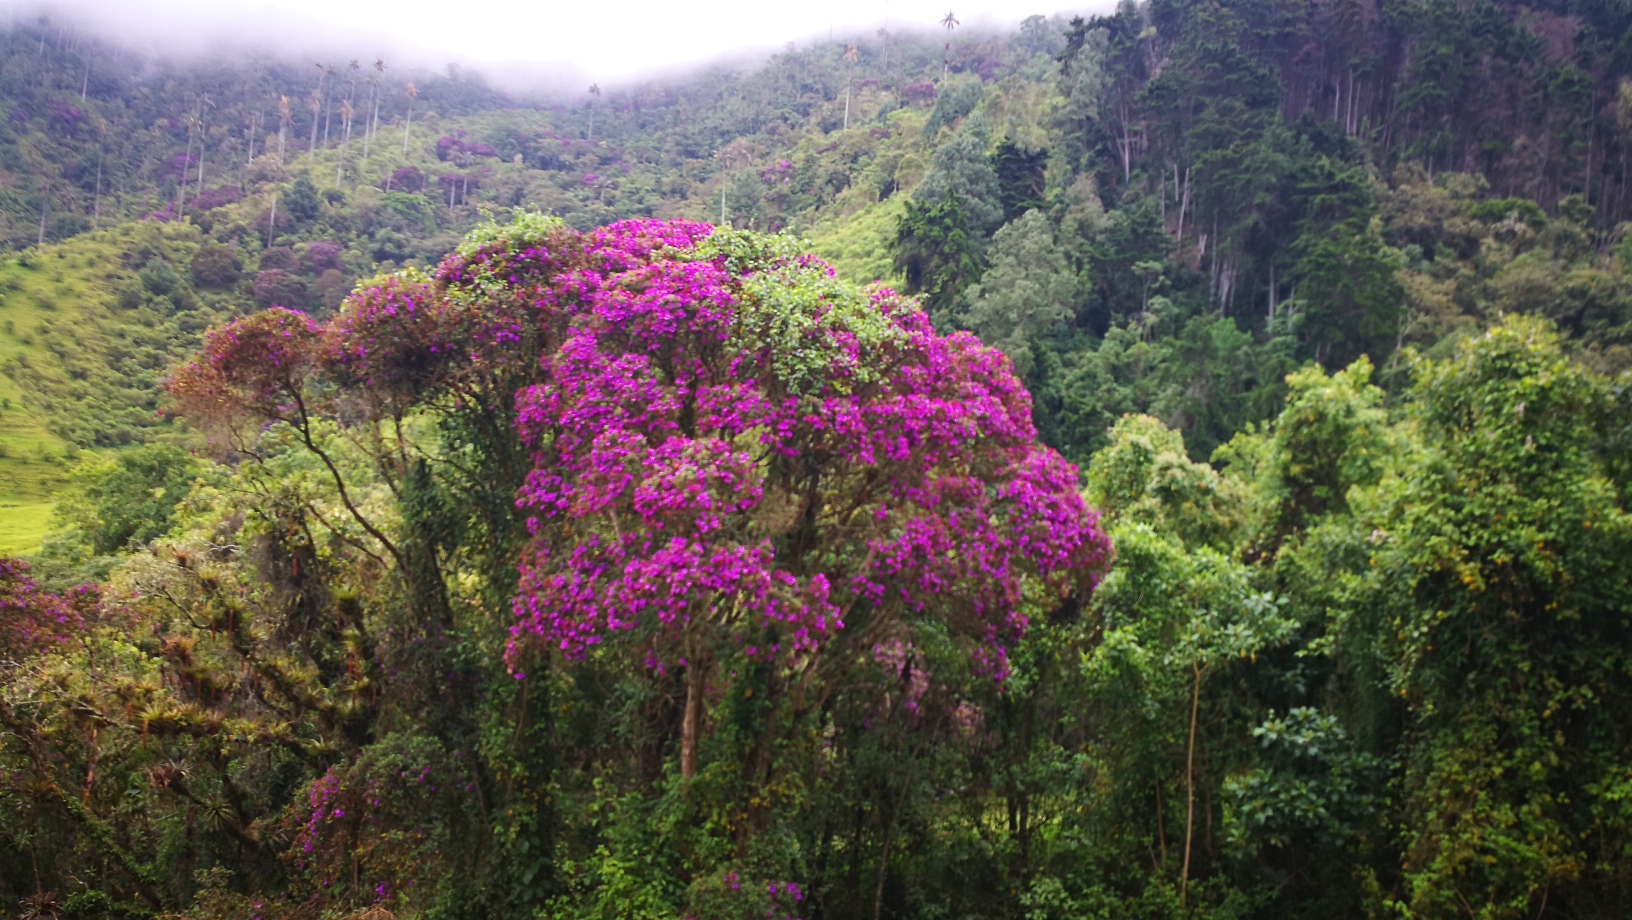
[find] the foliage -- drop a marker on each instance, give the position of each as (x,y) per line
(1027,292)
(659,570)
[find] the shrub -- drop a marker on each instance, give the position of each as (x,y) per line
(276,287)
(216,266)
(330,290)
(405,179)
(322,256)
(159,278)
(282,258)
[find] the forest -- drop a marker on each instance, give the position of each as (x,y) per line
(1170,463)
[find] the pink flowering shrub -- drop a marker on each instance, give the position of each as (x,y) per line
(217,197)
(387,342)
(323,255)
(405,179)
(250,372)
(386,813)
(275,287)
(34,620)
(920,94)
(731,895)
(448,146)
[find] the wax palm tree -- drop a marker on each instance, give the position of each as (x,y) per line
(316,105)
(368,108)
(950,22)
(407,125)
(327,109)
(346,115)
(96,201)
(203,105)
(356,67)
(850,58)
(374,119)
(192,121)
(286,114)
(594,94)
(736,154)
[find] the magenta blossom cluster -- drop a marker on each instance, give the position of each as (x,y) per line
(32,619)
(692,481)
(781,900)
(381,809)
(257,363)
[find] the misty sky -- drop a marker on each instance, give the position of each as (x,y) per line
(575,40)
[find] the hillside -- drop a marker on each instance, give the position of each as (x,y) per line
(96,317)
(442,503)
(1240,155)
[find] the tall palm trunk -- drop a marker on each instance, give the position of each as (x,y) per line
(181,190)
(368,129)
(346,116)
(314,105)
(286,116)
(200,184)
(408,121)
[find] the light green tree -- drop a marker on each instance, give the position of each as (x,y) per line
(1029,290)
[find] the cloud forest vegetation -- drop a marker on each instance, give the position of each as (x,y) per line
(1168,464)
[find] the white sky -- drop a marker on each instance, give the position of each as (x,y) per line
(569,40)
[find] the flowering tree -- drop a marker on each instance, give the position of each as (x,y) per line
(32,619)
(729,451)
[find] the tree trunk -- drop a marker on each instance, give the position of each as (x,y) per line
(1190,787)
(181,192)
(1161,823)
(690,725)
(889,839)
(1272,290)
(1184,202)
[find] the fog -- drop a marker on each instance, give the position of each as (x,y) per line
(531,45)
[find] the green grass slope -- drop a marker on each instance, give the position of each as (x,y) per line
(81,365)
